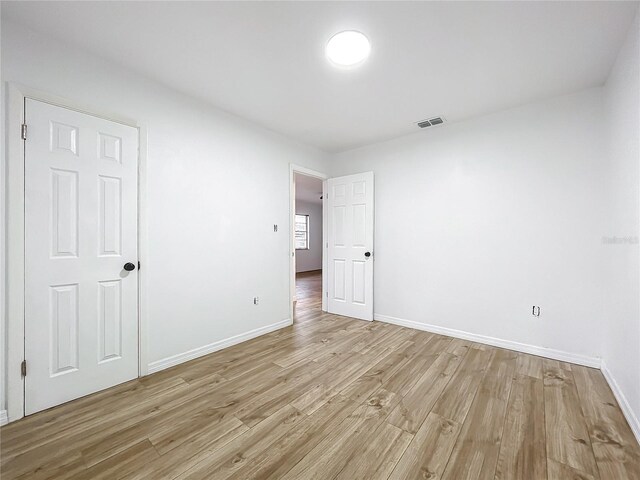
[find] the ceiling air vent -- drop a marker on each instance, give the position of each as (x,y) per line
(430,122)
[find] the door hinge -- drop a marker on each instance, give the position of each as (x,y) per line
(23,131)
(23,368)
(138,264)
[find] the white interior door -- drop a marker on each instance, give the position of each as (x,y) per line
(81,304)
(350,249)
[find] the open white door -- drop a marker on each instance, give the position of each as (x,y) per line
(81,300)
(350,249)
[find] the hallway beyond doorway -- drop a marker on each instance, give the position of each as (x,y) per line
(308,293)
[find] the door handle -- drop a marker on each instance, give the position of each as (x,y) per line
(367,254)
(129,266)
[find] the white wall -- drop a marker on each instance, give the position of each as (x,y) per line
(208,172)
(478,221)
(307,260)
(621,352)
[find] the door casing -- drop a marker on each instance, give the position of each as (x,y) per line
(13,325)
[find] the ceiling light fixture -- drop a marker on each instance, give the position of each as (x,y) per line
(348,49)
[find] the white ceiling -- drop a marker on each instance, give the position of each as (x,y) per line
(308,189)
(265,60)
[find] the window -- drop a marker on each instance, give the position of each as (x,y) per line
(302,232)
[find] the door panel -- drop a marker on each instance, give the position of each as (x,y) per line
(339,280)
(64,321)
(81,306)
(64,206)
(110,317)
(350,207)
(109,214)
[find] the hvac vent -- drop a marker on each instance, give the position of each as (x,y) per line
(430,122)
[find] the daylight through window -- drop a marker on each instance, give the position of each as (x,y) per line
(302,232)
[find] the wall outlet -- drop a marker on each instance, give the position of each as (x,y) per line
(256,300)
(535,311)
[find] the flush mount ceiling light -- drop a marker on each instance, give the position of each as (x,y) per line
(348,49)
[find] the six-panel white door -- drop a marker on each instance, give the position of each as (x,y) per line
(350,249)
(81,305)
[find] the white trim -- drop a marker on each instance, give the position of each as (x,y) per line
(15,253)
(293,169)
(4,419)
(325,249)
(307,171)
(215,346)
(14,321)
(628,412)
(63,102)
(587,361)
(143,331)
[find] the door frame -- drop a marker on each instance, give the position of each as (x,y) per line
(14,181)
(293,169)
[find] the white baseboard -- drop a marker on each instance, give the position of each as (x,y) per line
(631,417)
(495,342)
(4,419)
(215,346)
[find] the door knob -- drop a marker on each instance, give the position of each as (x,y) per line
(129,266)
(367,254)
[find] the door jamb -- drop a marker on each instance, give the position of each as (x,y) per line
(13,324)
(293,169)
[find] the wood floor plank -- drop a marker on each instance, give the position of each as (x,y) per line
(284,454)
(258,408)
(529,365)
(616,451)
(428,453)
(560,471)
(456,398)
(331,455)
(376,376)
(211,420)
(458,347)
(376,459)
(61,442)
(567,436)
(120,465)
(338,373)
(411,369)
(58,423)
(523,445)
(72,464)
(475,454)
(190,452)
(414,407)
(237,453)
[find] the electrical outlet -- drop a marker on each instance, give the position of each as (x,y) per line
(275,228)
(535,311)
(256,300)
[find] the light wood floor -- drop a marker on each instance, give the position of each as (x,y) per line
(332,397)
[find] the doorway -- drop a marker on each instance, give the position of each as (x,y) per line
(308,244)
(345,278)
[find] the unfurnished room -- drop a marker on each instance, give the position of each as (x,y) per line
(376,240)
